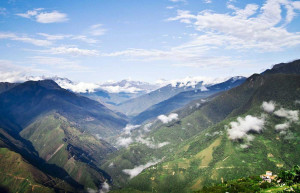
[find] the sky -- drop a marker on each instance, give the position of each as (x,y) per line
(146,40)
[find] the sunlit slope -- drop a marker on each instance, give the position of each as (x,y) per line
(79,153)
(210,155)
(17,175)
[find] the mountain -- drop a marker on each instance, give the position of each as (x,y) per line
(184,98)
(135,106)
(244,131)
(22,170)
(286,68)
(246,140)
(25,102)
(61,128)
(4,86)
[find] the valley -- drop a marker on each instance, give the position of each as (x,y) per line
(187,138)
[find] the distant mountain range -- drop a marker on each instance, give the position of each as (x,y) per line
(183,98)
(189,133)
(246,130)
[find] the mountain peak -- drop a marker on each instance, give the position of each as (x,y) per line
(47,83)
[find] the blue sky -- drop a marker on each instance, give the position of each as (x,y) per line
(146,40)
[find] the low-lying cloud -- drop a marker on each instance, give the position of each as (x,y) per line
(151,144)
(268,107)
(167,119)
(292,115)
(242,126)
(138,169)
(283,126)
(127,130)
(124,141)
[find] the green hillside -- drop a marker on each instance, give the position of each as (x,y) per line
(17,175)
(79,153)
(202,152)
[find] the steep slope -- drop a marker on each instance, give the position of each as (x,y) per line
(17,175)
(184,98)
(25,102)
(22,169)
(79,153)
(62,128)
(199,145)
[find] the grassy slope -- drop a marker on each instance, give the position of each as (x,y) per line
(17,175)
(65,146)
(204,160)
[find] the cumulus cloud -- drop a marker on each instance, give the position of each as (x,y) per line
(167,119)
(138,169)
(283,126)
(124,142)
(292,115)
(240,128)
(51,17)
(44,17)
(151,144)
(269,107)
(127,130)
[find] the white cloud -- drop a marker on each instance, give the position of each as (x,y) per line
(72,51)
(51,17)
(125,142)
(175,1)
(282,126)
(292,115)
(240,129)
(127,130)
(138,169)
(207,1)
(104,188)
(30,13)
(25,39)
(269,107)
(85,39)
(147,127)
(97,30)
(45,17)
(81,87)
(243,29)
(53,37)
(167,119)
(192,81)
(149,143)
(170,7)
(117,88)
(59,63)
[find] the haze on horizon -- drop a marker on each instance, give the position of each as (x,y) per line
(96,41)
